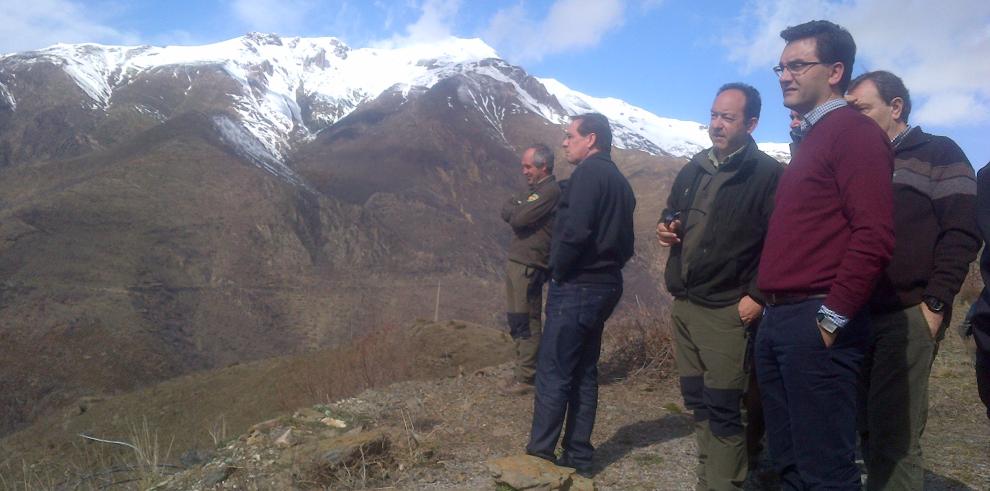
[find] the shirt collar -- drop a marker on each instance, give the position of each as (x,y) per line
(816,114)
(900,137)
(714,159)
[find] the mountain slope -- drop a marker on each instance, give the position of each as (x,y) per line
(167,210)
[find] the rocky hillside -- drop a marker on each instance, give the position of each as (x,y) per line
(450,432)
(445,435)
(169,210)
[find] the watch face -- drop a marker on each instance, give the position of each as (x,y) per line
(934,304)
(825,323)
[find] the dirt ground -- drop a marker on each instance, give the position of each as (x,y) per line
(643,436)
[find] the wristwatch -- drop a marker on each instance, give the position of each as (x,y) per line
(825,322)
(934,304)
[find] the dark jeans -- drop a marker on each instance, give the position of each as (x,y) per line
(567,370)
(809,396)
(982,335)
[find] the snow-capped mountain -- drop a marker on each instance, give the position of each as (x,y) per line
(289,89)
(199,206)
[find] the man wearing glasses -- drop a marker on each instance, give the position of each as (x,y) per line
(714,223)
(937,238)
(829,239)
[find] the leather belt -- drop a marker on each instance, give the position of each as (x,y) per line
(774,299)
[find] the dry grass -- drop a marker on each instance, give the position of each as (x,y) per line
(379,358)
(635,346)
(138,463)
(207,410)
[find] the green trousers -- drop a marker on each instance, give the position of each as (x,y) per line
(710,355)
(893,406)
(524,310)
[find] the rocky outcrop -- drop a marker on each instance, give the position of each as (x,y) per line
(525,472)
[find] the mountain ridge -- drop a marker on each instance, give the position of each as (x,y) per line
(292,88)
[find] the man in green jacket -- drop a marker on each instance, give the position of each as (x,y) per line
(530,214)
(935,240)
(714,224)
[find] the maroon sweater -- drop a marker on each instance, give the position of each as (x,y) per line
(832,226)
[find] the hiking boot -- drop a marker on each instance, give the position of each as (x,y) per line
(583,471)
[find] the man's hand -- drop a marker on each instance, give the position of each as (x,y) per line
(749,310)
(827,337)
(667,235)
(934,319)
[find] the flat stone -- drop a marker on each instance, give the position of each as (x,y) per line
(286,439)
(308,414)
(264,426)
(526,472)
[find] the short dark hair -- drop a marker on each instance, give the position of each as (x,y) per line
(542,156)
(889,86)
(598,124)
(832,41)
(753,101)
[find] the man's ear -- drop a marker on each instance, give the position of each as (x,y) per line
(752,124)
(593,138)
(896,108)
(835,76)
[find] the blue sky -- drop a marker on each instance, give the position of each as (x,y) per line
(667,56)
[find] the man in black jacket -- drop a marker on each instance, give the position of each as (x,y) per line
(935,240)
(592,239)
(715,222)
(530,214)
(980,313)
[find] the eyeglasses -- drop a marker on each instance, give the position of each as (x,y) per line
(795,67)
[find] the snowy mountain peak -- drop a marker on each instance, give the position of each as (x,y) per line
(293,87)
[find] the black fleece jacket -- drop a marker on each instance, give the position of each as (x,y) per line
(593,231)
(724,269)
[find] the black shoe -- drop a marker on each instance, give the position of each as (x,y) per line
(583,471)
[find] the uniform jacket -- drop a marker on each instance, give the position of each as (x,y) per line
(934,223)
(530,215)
(724,266)
(593,231)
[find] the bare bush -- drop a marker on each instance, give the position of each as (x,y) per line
(378,358)
(639,344)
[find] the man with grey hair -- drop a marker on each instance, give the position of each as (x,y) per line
(530,214)
(935,240)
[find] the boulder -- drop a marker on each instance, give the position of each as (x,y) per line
(526,472)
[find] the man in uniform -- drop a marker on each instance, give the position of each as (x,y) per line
(592,241)
(530,215)
(936,239)
(829,240)
(714,223)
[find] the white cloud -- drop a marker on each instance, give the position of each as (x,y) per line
(40,23)
(435,22)
(938,48)
(285,17)
(569,25)
(951,108)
